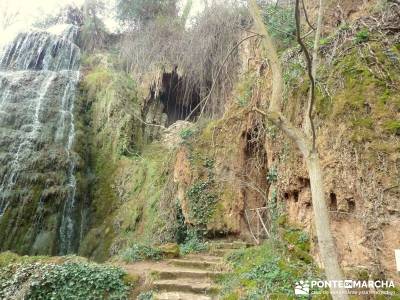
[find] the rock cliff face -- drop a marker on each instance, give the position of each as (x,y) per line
(151,177)
(39,204)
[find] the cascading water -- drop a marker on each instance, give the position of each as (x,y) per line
(39,73)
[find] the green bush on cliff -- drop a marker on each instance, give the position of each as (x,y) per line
(202,201)
(281,23)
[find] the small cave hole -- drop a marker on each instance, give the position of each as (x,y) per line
(296,196)
(351,204)
(178,99)
(332,202)
(304,181)
(286,195)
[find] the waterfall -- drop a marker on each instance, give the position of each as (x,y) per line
(39,73)
(67,227)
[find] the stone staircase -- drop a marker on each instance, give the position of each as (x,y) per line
(192,276)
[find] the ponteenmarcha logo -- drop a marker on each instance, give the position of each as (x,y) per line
(355,287)
(302,288)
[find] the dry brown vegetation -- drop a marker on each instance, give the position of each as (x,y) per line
(198,52)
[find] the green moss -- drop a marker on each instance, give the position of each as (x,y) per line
(130,176)
(7,258)
(18,233)
(208,132)
(365,98)
(267,269)
(364,122)
(244,89)
(392,126)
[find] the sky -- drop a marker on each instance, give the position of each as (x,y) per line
(31,10)
(28,12)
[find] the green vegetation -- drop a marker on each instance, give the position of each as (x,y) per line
(129,175)
(202,196)
(281,23)
(276,212)
(149,295)
(186,133)
(362,36)
(368,101)
(139,252)
(244,89)
(272,175)
(202,200)
(67,278)
(392,126)
(142,11)
(193,243)
(7,258)
(269,269)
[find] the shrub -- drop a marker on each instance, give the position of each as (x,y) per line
(202,201)
(281,23)
(149,295)
(362,36)
(70,280)
(193,243)
(186,133)
(265,270)
(141,252)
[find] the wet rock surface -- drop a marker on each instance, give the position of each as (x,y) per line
(38,201)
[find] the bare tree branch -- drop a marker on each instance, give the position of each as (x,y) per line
(306,15)
(309,71)
(205,99)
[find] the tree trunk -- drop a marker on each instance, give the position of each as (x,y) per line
(305,143)
(327,248)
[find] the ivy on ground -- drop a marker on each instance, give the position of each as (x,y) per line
(70,280)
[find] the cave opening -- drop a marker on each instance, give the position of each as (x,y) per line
(179,98)
(333,202)
(351,205)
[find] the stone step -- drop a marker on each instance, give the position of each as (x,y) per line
(220,252)
(198,274)
(212,258)
(180,296)
(229,245)
(187,286)
(194,263)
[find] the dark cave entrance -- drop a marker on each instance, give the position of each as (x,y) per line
(179,99)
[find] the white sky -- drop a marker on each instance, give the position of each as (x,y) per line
(31,10)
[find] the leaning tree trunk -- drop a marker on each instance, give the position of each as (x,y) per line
(305,141)
(326,243)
